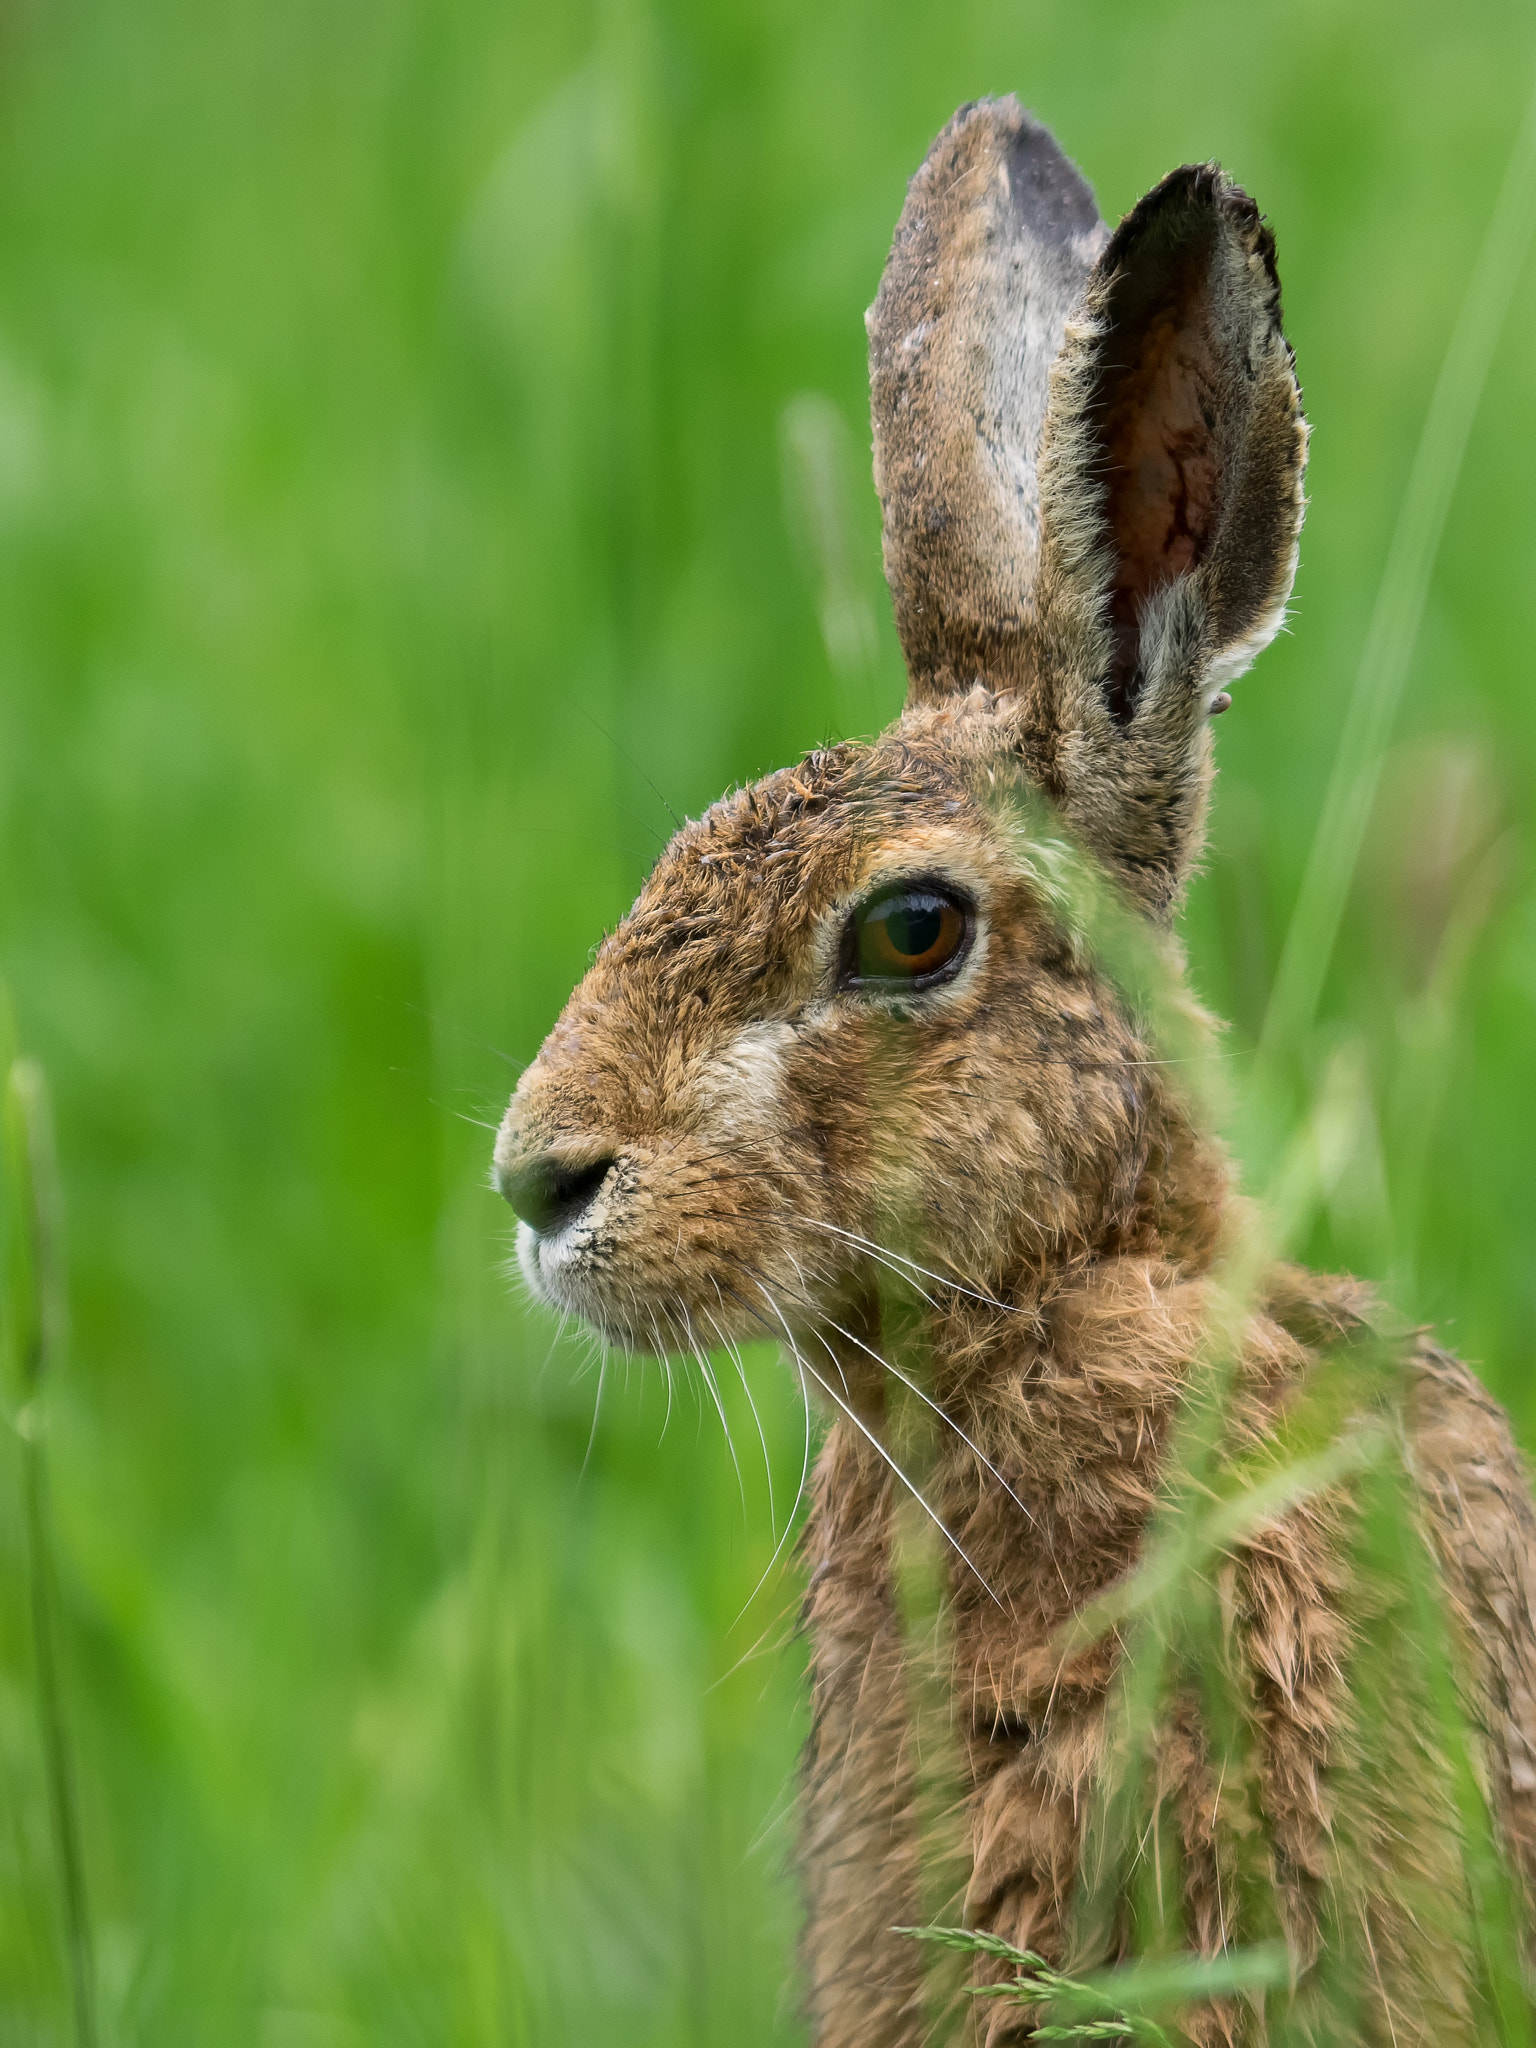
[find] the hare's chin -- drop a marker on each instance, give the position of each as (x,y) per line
(558,1274)
(547,1257)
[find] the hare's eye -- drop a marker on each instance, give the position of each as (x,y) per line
(906,938)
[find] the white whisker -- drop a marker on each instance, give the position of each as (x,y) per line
(881,1252)
(555,1343)
(663,1357)
(665,1360)
(741,1373)
(597,1409)
(713,1387)
(928,1402)
(805,1470)
(881,1451)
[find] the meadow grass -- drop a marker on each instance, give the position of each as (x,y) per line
(425,432)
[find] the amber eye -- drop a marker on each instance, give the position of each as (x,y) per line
(907,938)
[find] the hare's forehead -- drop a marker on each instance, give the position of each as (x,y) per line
(751,887)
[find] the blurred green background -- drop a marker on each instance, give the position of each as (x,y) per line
(423,428)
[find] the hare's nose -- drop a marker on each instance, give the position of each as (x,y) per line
(549,1194)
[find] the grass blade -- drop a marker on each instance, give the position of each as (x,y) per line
(1400,601)
(36,1327)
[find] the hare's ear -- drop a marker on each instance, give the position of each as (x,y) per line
(993,250)
(1171,501)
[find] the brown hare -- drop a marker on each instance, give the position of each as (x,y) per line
(845,1035)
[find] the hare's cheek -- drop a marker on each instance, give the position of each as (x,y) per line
(739,1088)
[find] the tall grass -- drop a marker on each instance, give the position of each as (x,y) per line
(1401,598)
(34,1332)
(390,409)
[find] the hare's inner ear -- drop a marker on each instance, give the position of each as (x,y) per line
(1159,425)
(1170,503)
(1175,449)
(993,250)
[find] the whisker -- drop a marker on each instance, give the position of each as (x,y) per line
(810,1306)
(883,1253)
(928,1402)
(597,1409)
(439,1020)
(624,755)
(761,1648)
(663,1359)
(555,1342)
(741,1373)
(805,1468)
(666,1366)
(714,1394)
(881,1451)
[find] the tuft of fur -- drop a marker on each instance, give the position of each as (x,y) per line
(1089,449)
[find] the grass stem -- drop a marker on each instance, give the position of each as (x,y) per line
(1399,609)
(36,1333)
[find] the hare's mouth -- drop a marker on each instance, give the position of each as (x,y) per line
(652,1304)
(657,1258)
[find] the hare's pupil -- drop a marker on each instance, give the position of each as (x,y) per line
(915,926)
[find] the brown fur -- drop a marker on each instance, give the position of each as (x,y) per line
(1089,450)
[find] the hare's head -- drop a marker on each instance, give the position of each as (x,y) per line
(845,1010)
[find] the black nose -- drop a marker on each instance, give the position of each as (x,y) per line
(549,1195)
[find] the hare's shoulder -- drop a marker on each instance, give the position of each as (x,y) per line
(1471,1475)
(1474,1486)
(1318,1309)
(1469,1466)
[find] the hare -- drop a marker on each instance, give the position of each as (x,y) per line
(844,1034)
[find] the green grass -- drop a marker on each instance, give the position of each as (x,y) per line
(420,431)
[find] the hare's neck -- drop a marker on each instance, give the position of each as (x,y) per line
(1069,1391)
(1072,1414)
